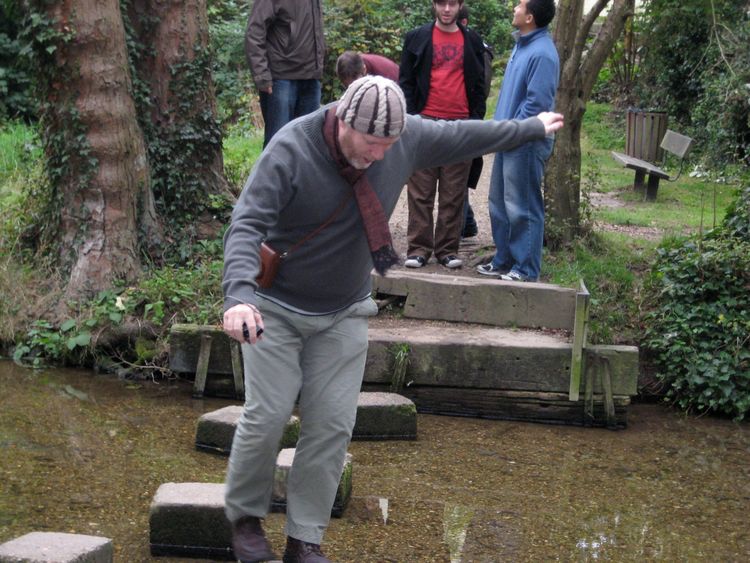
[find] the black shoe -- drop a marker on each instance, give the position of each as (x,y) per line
(298,551)
(249,541)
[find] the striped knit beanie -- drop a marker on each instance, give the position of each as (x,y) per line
(374,105)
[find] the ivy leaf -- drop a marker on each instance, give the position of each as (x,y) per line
(82,339)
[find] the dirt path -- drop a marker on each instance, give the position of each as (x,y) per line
(471,250)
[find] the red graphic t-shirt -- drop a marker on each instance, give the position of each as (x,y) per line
(447,97)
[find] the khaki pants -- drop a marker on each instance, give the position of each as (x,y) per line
(450,184)
(321,359)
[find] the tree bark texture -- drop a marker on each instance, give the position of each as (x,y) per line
(184,137)
(581,60)
(105,168)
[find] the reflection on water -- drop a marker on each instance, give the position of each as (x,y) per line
(84,453)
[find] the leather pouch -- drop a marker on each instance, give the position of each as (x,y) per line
(269,265)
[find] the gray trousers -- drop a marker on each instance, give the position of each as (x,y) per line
(321,359)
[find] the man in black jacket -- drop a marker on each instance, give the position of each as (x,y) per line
(284,47)
(442,76)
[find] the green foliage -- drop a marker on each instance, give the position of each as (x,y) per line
(15,74)
(240,153)
(699,329)
(695,64)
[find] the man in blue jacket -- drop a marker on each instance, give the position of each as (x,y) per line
(516,203)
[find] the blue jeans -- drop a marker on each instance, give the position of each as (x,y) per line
(289,100)
(516,207)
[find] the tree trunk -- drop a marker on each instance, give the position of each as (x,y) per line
(95,148)
(580,62)
(179,115)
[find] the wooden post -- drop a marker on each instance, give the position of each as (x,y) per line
(201,370)
(609,401)
(588,402)
(239,382)
(653,186)
(640,175)
(580,328)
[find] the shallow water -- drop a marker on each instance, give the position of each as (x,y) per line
(84,453)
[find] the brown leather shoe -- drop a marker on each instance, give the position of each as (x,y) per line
(249,541)
(298,551)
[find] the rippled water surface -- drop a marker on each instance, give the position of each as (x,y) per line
(85,453)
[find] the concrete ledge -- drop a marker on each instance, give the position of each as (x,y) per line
(479,300)
(55,547)
(215,430)
(188,520)
(490,358)
(380,416)
(184,347)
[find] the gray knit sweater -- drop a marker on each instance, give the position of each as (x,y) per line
(294,187)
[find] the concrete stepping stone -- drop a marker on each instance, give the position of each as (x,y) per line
(380,416)
(188,520)
(479,300)
(495,372)
(215,430)
(57,547)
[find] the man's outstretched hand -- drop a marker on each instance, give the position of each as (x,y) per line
(552,121)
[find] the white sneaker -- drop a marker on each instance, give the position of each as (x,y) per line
(451,262)
(415,261)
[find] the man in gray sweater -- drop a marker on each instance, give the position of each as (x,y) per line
(321,193)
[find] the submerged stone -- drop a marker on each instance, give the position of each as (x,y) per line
(380,416)
(188,520)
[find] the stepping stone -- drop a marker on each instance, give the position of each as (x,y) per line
(215,430)
(380,416)
(385,416)
(480,300)
(284,464)
(188,520)
(56,547)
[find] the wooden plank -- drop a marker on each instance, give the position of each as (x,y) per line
(609,404)
(638,164)
(548,408)
(201,370)
(580,327)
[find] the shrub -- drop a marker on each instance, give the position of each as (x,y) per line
(699,331)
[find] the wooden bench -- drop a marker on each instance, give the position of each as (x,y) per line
(677,144)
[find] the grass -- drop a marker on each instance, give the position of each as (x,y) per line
(19,153)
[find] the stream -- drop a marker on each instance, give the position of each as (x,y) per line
(85,453)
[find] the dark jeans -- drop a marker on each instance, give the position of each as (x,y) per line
(289,100)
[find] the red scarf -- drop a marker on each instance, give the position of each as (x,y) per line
(370,208)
